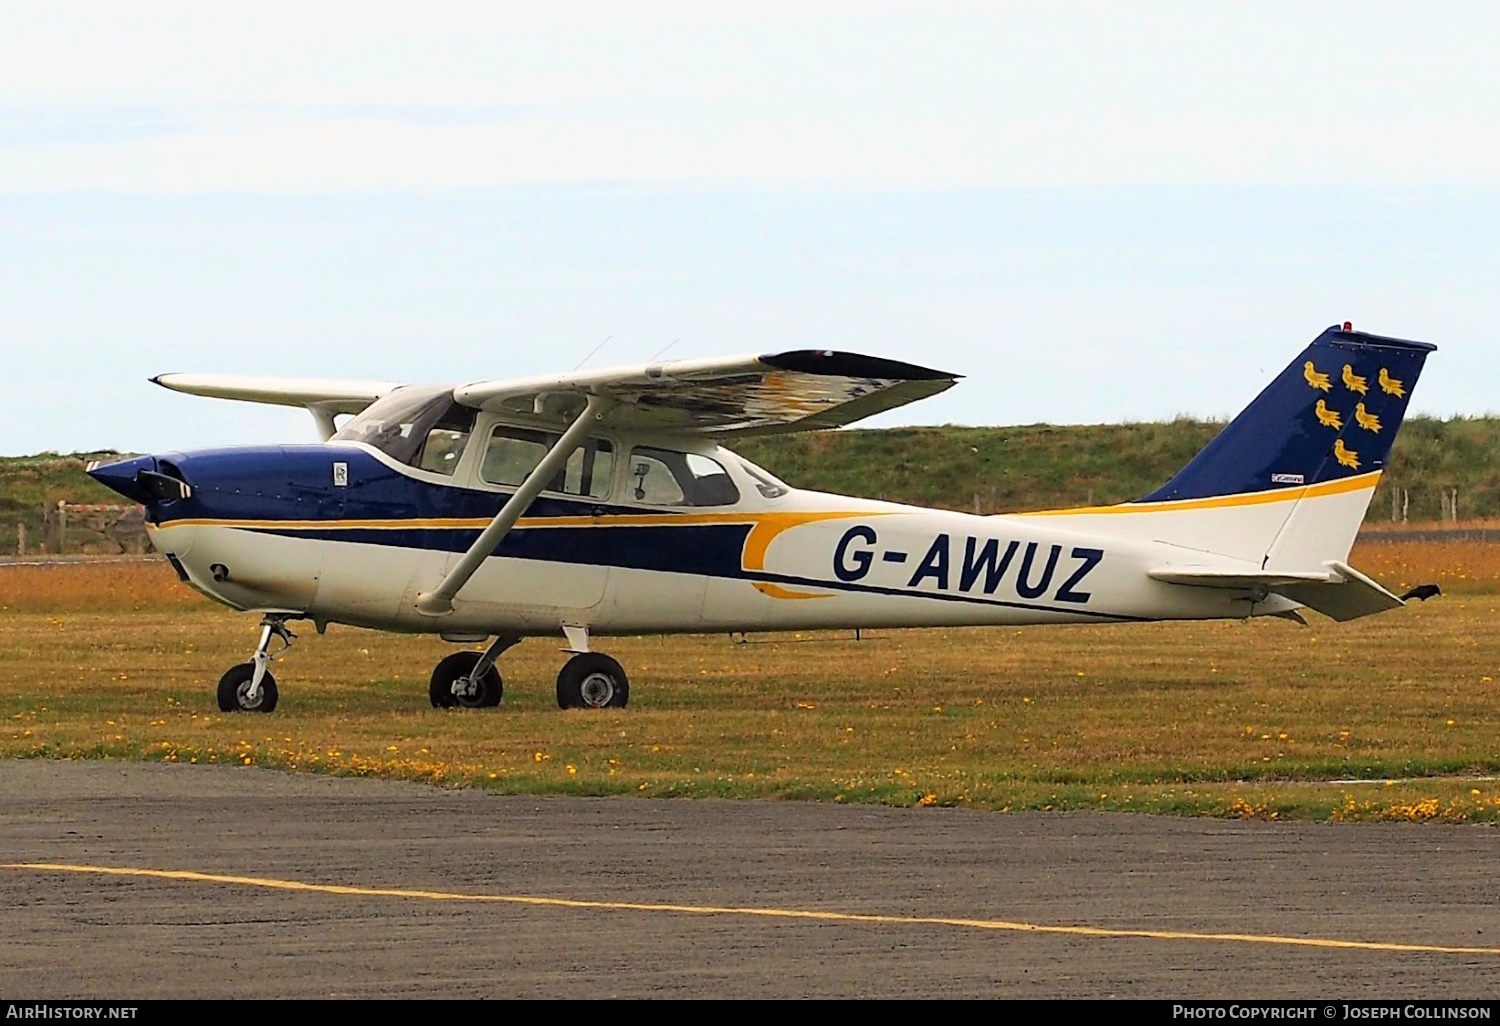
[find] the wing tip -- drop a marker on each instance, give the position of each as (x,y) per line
(852,365)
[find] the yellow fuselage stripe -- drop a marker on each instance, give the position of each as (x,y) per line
(732,910)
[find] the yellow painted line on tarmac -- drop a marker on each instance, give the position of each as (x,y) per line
(811,915)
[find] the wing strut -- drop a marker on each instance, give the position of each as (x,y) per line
(440,600)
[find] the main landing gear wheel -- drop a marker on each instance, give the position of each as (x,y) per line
(453,683)
(592,680)
(234,690)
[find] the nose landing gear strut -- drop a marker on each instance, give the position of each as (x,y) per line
(249,687)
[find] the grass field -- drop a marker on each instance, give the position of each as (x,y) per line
(1252,719)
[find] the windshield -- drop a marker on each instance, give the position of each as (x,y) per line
(419,425)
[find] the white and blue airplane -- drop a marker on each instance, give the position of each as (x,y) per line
(602,503)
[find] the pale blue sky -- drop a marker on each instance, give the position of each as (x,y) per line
(1097,212)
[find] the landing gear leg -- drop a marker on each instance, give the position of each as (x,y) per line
(249,687)
(469,679)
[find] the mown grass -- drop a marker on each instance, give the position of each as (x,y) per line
(1252,719)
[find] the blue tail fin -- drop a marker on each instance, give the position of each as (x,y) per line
(1332,414)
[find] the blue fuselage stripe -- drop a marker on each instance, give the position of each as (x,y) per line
(710,550)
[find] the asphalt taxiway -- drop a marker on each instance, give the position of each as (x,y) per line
(148,881)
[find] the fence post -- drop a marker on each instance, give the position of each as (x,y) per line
(20,539)
(62,527)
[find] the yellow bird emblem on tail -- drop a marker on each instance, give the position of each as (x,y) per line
(1355,382)
(1346,457)
(1390,385)
(1315,379)
(1366,419)
(1327,417)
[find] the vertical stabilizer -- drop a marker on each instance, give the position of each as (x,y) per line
(1317,439)
(1287,483)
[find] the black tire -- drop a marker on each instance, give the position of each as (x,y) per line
(484,693)
(234,684)
(592,680)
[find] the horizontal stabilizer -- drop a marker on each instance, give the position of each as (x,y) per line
(1356,596)
(1339,591)
(1235,580)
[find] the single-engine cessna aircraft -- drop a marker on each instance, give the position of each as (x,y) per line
(601,503)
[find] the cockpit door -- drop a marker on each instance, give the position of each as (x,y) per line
(554,561)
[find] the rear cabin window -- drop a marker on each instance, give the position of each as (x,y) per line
(665,477)
(513,453)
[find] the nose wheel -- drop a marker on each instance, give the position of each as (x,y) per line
(249,687)
(235,694)
(592,680)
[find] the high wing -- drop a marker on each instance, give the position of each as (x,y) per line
(799,390)
(335,396)
(324,398)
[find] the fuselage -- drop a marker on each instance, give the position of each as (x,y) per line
(342,532)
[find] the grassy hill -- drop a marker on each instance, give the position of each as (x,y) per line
(993,469)
(1000,469)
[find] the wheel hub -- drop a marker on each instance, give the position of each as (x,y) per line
(596,690)
(242,695)
(466,690)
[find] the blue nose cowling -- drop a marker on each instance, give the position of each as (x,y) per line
(123,477)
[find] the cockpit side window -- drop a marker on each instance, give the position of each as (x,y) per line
(513,453)
(420,426)
(665,477)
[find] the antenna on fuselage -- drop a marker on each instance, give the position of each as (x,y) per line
(663,349)
(593,352)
